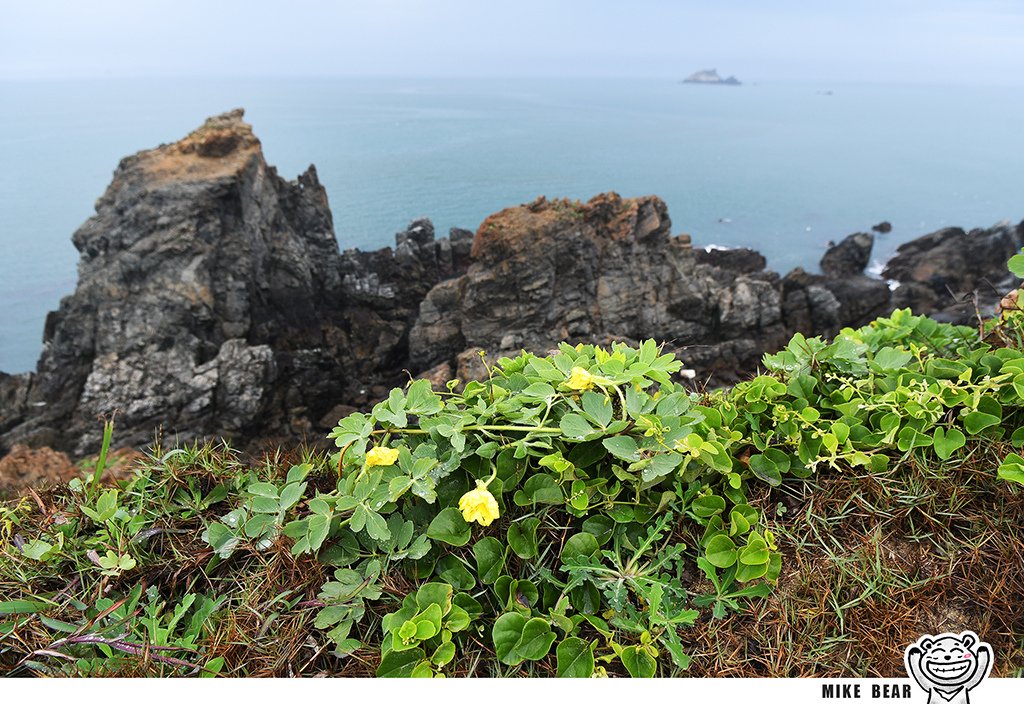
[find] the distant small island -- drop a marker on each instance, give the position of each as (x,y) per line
(711,77)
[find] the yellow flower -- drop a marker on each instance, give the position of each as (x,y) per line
(478,505)
(580,379)
(381,457)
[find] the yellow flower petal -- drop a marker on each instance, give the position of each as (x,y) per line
(479,505)
(580,379)
(381,457)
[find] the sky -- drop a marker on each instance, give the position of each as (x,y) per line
(930,41)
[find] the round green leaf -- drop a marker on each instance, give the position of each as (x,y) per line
(638,662)
(449,527)
(536,639)
(755,553)
(490,559)
(765,469)
(400,663)
(444,654)
(580,544)
(1012,468)
(450,569)
(522,537)
(575,658)
(507,631)
(721,551)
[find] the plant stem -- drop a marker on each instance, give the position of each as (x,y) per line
(101,461)
(495,428)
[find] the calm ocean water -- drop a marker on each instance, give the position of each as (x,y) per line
(781,168)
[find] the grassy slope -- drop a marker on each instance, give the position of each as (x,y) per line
(872,560)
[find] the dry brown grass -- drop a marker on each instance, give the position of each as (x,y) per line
(872,562)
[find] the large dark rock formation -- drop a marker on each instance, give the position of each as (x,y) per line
(610,270)
(213,301)
(952,274)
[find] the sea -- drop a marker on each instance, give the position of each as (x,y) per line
(780,167)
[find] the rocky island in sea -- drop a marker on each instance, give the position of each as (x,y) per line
(711,77)
(213,300)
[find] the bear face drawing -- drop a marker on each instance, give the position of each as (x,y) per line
(948,665)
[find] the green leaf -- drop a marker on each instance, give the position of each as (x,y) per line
(37,550)
(449,527)
(458,619)
(721,551)
(490,559)
(23,606)
(421,399)
(264,489)
(450,569)
(1012,468)
(221,538)
(766,470)
(291,494)
(539,389)
(575,426)
(661,466)
(536,640)
(507,631)
(756,551)
(976,421)
(319,527)
(909,438)
(623,447)
(539,489)
(599,407)
(707,506)
(377,527)
(947,442)
(746,573)
(434,593)
(444,654)
(400,663)
(522,537)
(638,662)
(580,544)
(428,622)
(890,358)
(1016,265)
(575,658)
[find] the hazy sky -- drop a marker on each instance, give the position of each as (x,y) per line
(895,40)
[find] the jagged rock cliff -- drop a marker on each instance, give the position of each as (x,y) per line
(213,301)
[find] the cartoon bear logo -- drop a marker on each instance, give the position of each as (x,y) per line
(948,666)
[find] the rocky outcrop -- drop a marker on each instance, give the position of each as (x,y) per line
(850,257)
(953,275)
(610,270)
(213,300)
